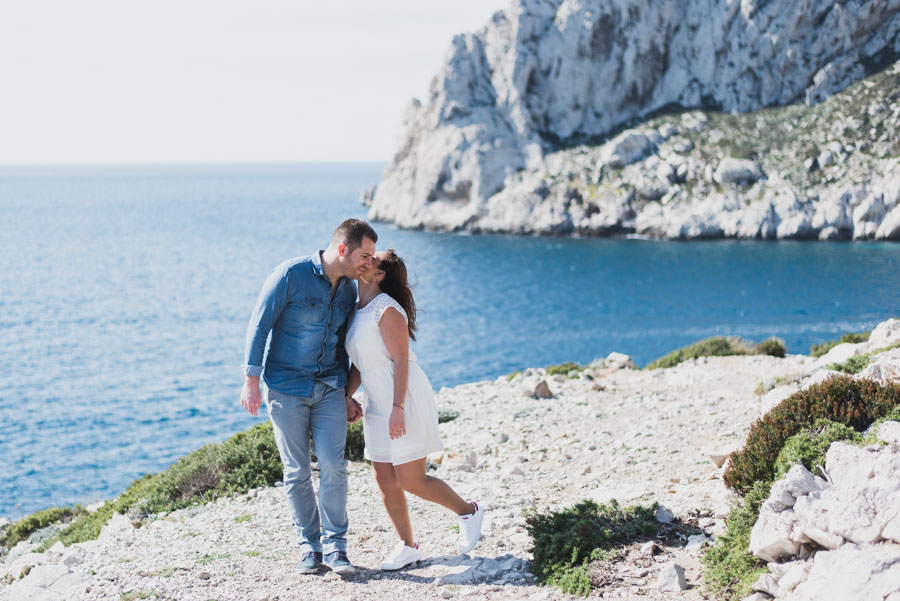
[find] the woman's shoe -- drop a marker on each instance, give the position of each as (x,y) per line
(401,556)
(469,529)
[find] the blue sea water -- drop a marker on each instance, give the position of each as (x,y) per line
(125,294)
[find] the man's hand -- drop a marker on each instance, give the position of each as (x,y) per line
(250,397)
(354,410)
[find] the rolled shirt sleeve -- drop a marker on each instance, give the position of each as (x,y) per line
(269,305)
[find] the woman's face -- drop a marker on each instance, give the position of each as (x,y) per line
(374,272)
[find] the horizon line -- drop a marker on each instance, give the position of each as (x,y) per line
(198,163)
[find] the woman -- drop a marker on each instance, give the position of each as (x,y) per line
(400,417)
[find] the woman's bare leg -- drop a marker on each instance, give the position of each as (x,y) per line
(394,500)
(412,478)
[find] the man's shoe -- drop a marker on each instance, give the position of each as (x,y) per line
(338,562)
(469,529)
(309,562)
(401,556)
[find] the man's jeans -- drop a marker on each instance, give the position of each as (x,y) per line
(324,415)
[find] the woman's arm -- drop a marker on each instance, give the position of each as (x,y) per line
(395,334)
(353,381)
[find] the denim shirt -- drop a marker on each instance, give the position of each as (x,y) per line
(308,328)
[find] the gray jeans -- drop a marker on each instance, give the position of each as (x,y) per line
(324,417)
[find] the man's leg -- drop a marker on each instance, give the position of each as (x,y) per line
(328,419)
(290,420)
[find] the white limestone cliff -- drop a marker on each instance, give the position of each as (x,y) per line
(507,139)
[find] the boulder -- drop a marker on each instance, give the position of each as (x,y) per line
(770,539)
(671,578)
(664,515)
(542,390)
(619,360)
(624,149)
(737,171)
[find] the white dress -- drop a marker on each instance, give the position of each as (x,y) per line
(370,355)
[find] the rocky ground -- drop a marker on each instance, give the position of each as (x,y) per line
(530,442)
(633,435)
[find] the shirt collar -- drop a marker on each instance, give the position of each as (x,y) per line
(317,268)
(317,264)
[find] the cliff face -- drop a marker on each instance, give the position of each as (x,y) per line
(525,102)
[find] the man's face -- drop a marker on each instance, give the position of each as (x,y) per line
(357,261)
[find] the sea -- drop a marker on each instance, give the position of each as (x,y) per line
(125,293)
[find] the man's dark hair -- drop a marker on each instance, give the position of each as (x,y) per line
(351,232)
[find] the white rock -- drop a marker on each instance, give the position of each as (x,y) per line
(737,171)
(839,354)
(849,465)
(795,574)
(671,578)
(664,515)
(624,149)
(619,360)
(766,583)
(798,481)
(770,538)
(74,555)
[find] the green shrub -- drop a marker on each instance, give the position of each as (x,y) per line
(730,568)
(817,350)
(709,347)
(566,541)
(563,369)
(247,460)
(773,347)
(853,403)
(356,443)
(809,446)
(856,337)
(447,415)
(853,365)
(22,529)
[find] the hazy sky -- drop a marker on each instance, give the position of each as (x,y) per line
(123,81)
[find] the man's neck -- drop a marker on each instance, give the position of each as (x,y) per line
(330,265)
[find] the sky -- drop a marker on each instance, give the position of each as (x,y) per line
(164,81)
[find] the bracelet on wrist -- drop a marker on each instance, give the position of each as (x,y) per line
(400,406)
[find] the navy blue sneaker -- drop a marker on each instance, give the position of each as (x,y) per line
(309,562)
(338,562)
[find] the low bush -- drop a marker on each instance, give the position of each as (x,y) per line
(563,369)
(709,347)
(356,443)
(809,446)
(567,541)
(247,460)
(773,347)
(22,529)
(853,365)
(730,568)
(817,350)
(853,403)
(447,415)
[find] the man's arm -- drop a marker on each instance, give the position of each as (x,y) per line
(271,302)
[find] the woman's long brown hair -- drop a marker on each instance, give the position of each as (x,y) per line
(396,285)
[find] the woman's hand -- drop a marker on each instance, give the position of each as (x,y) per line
(397,423)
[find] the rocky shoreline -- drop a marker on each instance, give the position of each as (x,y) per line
(770,120)
(609,431)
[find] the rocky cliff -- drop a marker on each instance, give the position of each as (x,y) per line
(678,119)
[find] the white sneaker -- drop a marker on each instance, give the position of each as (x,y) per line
(401,556)
(469,529)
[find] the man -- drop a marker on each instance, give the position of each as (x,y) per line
(306,304)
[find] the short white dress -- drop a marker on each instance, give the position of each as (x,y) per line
(370,355)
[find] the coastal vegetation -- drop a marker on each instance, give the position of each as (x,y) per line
(720,346)
(818,350)
(568,541)
(247,460)
(798,430)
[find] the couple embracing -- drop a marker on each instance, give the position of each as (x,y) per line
(318,319)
